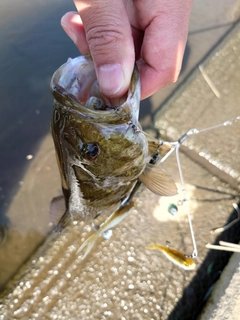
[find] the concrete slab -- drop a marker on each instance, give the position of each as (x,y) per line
(120,279)
(196,106)
(224,302)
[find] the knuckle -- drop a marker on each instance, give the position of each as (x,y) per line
(102,37)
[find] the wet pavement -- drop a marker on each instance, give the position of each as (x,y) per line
(120,279)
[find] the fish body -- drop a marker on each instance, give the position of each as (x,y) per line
(177,257)
(100,149)
(99,155)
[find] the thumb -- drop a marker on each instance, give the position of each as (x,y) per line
(109,37)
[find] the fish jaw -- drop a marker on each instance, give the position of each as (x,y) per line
(75,82)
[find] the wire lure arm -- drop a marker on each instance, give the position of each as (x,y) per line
(175,147)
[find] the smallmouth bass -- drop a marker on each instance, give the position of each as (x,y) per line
(102,154)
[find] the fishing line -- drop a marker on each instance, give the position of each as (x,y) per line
(176,145)
(185,201)
(224,124)
(229,225)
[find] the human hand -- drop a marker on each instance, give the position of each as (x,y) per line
(118,32)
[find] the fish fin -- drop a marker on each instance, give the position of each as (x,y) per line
(156,146)
(57,207)
(89,243)
(153,145)
(158,181)
(63,222)
(114,219)
(151,246)
(164,149)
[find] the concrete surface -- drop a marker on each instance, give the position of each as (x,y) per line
(197,106)
(224,302)
(121,279)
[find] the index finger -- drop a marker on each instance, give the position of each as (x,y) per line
(163,48)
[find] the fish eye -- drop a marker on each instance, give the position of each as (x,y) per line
(90,151)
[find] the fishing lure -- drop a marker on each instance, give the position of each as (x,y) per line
(178,258)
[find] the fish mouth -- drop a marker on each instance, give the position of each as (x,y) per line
(75,86)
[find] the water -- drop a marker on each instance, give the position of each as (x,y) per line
(32,46)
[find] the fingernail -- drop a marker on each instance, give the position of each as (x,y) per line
(111,78)
(69,32)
